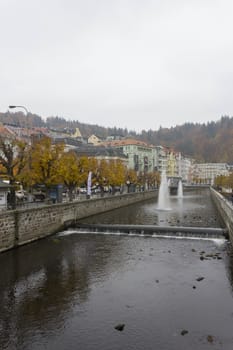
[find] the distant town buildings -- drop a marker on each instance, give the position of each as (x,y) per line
(135,154)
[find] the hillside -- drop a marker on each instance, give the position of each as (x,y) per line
(211,142)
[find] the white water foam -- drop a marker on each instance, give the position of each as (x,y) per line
(217,241)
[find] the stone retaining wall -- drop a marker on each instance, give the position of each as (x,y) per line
(7,230)
(225,209)
(18,227)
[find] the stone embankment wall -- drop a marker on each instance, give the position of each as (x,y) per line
(19,227)
(225,210)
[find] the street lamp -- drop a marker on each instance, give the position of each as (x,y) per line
(20,107)
(25,109)
(13,198)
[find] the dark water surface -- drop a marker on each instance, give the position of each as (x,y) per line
(194,209)
(69,291)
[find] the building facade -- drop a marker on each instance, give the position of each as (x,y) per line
(207,172)
(141,156)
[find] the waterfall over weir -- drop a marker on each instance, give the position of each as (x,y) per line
(191,216)
(180,231)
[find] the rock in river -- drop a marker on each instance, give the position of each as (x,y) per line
(120,326)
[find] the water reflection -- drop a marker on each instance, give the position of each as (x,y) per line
(68,291)
(194,209)
(41,283)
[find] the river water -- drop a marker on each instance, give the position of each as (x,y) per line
(71,290)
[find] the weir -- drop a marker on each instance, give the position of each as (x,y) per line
(18,227)
(158,230)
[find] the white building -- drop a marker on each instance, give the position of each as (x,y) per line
(186,169)
(207,172)
(161,159)
(94,140)
(141,156)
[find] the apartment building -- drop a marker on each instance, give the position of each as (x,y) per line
(160,156)
(207,172)
(101,153)
(186,169)
(141,156)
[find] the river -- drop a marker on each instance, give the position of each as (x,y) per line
(71,290)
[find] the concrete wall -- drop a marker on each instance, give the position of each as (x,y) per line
(225,209)
(18,227)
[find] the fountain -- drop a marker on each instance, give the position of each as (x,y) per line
(180,189)
(180,185)
(163,200)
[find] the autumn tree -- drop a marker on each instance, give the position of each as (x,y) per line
(73,171)
(91,165)
(131,177)
(153,179)
(219,181)
(86,165)
(224,181)
(117,172)
(230,181)
(46,162)
(13,159)
(101,174)
(69,172)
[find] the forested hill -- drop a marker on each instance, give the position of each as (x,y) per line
(211,142)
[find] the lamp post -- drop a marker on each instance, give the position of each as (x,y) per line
(26,111)
(19,107)
(27,127)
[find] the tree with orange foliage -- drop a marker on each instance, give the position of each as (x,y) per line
(45,162)
(13,159)
(153,179)
(117,172)
(73,171)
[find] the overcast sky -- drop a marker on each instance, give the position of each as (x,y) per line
(139,64)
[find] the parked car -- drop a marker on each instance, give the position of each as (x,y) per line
(83,190)
(21,195)
(38,196)
(95,190)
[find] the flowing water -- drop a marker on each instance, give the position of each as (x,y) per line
(71,290)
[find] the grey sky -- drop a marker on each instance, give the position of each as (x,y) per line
(127,63)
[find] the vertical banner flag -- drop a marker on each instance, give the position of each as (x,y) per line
(89,184)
